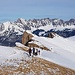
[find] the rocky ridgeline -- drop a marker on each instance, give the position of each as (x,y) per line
(45,21)
(11,32)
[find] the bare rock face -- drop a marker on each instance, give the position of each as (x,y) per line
(51,35)
(26,38)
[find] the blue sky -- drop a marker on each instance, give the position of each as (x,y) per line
(30,9)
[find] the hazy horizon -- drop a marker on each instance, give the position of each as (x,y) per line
(30,9)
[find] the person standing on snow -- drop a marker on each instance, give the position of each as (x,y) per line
(30,51)
(39,51)
(33,51)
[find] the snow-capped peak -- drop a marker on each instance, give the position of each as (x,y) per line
(7,23)
(22,21)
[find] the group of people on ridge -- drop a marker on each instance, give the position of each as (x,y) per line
(34,51)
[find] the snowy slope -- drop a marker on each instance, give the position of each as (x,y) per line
(72,38)
(63,51)
(56,28)
(12,26)
(8,53)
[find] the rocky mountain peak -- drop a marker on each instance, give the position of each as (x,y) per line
(22,21)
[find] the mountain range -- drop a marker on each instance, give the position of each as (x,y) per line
(11,32)
(54,38)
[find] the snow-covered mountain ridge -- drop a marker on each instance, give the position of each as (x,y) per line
(35,23)
(63,50)
(59,53)
(11,32)
(21,25)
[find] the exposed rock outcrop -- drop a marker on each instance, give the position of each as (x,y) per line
(26,38)
(41,47)
(51,35)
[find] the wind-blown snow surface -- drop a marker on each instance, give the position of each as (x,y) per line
(63,51)
(72,38)
(11,53)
